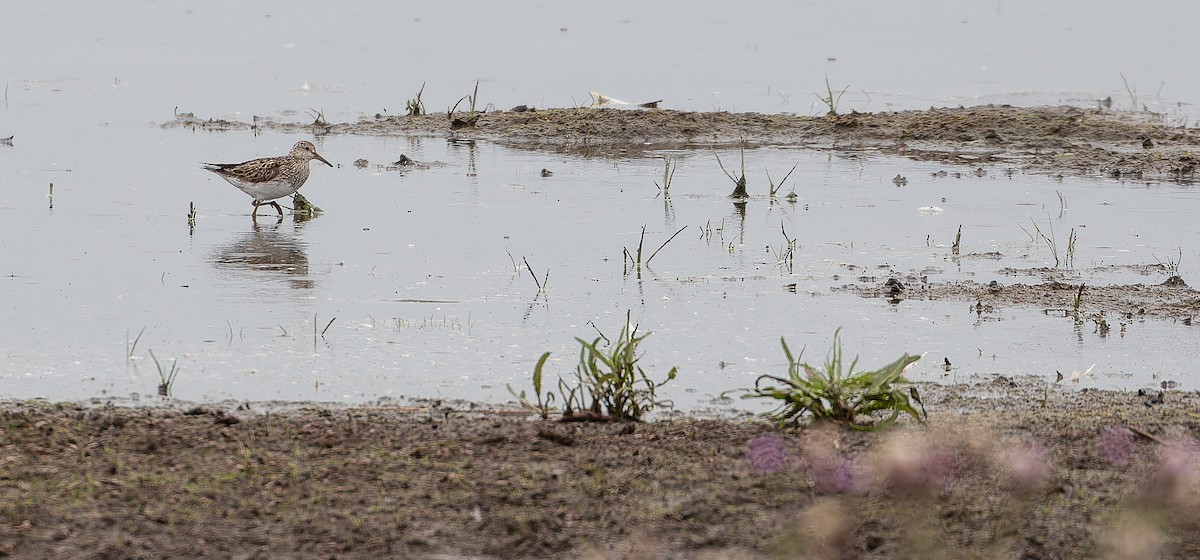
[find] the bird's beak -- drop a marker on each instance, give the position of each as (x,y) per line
(323,160)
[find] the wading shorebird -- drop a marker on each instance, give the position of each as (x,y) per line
(267,179)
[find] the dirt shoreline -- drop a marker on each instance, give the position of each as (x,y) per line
(1062,140)
(1004,468)
(1171,299)
(1017,471)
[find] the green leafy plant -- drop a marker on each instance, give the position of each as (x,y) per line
(840,395)
(542,406)
(609,384)
(472,116)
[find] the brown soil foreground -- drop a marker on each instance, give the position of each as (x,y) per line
(1003,469)
(1065,140)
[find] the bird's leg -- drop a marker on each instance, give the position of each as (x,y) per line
(254,203)
(277,208)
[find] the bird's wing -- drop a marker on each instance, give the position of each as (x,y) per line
(253,171)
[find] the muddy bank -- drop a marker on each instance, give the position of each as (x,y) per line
(1091,471)
(1065,140)
(1171,299)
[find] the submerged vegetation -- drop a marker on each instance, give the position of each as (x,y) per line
(739,181)
(166,377)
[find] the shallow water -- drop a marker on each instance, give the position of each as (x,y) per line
(416,271)
(422,272)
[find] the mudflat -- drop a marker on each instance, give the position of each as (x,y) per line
(1009,468)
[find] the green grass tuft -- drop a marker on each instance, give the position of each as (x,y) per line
(609,384)
(840,395)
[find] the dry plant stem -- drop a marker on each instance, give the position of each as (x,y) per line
(1071,247)
(416,107)
(775,188)
(1132,91)
(129,348)
(660,247)
(789,253)
(723,170)
(474,97)
(1172,265)
(641,242)
(1049,239)
(668,174)
(1146,435)
(599,332)
(830,101)
(514,261)
(540,286)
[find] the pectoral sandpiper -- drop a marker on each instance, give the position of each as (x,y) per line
(267,179)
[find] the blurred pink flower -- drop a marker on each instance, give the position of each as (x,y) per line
(1116,445)
(834,474)
(1179,457)
(767,454)
(943,467)
(1028,465)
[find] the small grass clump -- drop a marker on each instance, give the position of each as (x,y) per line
(304,209)
(841,396)
(739,182)
(415,107)
(609,384)
(830,100)
(775,188)
(542,404)
(472,116)
(166,377)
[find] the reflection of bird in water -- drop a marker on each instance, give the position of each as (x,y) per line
(266,179)
(268,248)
